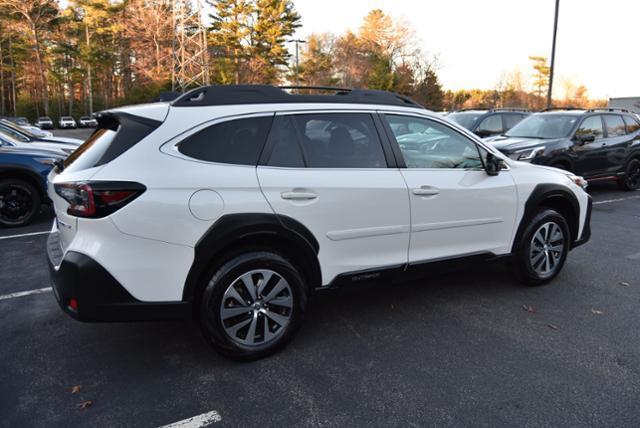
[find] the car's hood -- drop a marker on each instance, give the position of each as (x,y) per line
(511,144)
(34,151)
(61,147)
(71,142)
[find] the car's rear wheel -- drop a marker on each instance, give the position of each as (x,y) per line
(253,305)
(631,178)
(542,249)
(19,202)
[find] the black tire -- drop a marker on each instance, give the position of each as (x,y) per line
(527,270)
(631,178)
(19,202)
(216,331)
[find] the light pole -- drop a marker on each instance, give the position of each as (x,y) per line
(297,42)
(553,55)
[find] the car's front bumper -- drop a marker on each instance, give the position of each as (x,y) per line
(87,292)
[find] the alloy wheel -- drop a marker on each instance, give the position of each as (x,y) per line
(15,204)
(256,308)
(547,248)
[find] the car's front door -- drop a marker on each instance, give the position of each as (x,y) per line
(456,208)
(590,156)
(329,171)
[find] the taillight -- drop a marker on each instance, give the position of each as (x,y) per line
(99,198)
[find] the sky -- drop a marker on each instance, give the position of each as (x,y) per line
(477,40)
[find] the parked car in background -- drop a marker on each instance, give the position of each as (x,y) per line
(64,148)
(232,203)
(598,144)
(486,123)
(44,122)
(23,177)
(37,131)
(87,122)
(24,135)
(22,121)
(67,122)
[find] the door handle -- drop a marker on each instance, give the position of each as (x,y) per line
(426,191)
(298,196)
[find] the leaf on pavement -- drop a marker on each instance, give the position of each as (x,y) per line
(75,389)
(624,283)
(85,404)
(529,309)
(552,326)
(596,312)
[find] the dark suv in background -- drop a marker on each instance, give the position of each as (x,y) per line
(486,123)
(598,144)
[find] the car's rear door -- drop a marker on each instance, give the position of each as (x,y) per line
(457,209)
(329,171)
(616,144)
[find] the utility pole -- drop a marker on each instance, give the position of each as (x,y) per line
(89,83)
(190,60)
(297,42)
(553,55)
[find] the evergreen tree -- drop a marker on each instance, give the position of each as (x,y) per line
(229,36)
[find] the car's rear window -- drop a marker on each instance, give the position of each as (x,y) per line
(114,136)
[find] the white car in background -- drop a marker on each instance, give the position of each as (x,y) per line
(44,122)
(24,135)
(39,132)
(87,122)
(231,204)
(67,122)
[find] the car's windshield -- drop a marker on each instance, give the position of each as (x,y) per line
(44,119)
(467,120)
(85,118)
(67,118)
(544,126)
(10,127)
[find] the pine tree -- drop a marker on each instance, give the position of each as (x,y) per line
(229,37)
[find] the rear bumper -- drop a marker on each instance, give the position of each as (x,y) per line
(87,292)
(586,230)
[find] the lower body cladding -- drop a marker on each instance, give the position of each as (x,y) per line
(138,288)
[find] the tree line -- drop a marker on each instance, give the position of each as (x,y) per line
(96,54)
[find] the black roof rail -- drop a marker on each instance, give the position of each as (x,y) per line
(620,110)
(561,108)
(267,94)
(520,109)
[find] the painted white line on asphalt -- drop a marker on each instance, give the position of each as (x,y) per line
(25,293)
(24,234)
(608,201)
(199,421)
(635,256)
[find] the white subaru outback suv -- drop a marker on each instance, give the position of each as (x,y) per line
(231,204)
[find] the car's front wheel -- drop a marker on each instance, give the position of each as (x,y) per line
(543,248)
(631,178)
(19,202)
(252,305)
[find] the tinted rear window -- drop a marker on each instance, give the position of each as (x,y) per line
(237,141)
(615,125)
(114,136)
(632,124)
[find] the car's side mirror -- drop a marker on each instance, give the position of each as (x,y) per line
(482,133)
(586,138)
(493,164)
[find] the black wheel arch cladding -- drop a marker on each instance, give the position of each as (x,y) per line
(231,229)
(544,195)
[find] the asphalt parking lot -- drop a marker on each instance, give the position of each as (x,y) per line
(470,348)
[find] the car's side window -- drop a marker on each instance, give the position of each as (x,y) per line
(615,125)
(632,124)
(339,140)
(491,125)
(286,150)
(591,126)
(430,144)
(511,120)
(237,141)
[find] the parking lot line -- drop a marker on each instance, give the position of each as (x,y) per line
(199,421)
(25,293)
(608,201)
(24,234)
